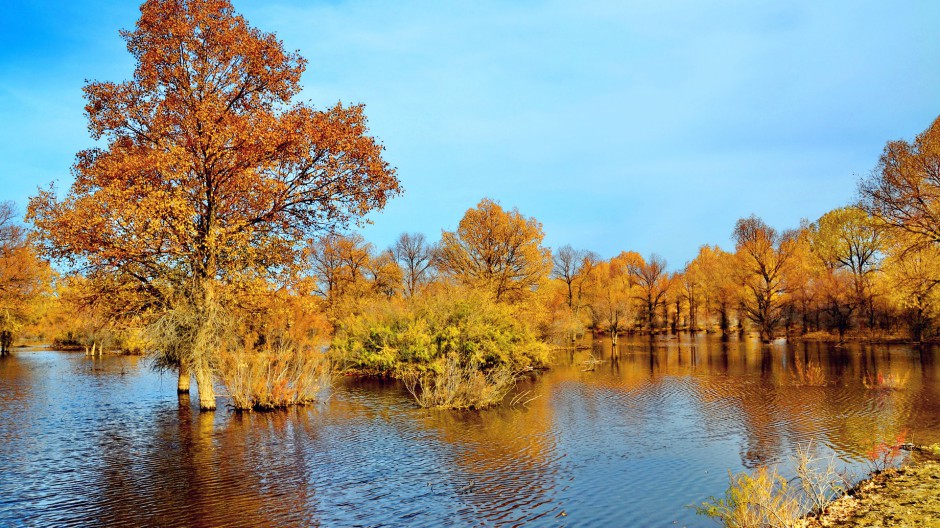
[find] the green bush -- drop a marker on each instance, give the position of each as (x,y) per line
(396,338)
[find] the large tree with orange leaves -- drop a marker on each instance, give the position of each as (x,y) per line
(209,173)
(654,282)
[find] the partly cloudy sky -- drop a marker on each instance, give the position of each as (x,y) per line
(646,126)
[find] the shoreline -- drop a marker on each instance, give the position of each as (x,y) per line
(905,496)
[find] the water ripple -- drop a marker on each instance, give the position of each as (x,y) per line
(651,429)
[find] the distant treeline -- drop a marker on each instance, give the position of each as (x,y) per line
(869,270)
(209,228)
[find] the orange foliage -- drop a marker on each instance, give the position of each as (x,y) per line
(24,279)
(207,169)
(610,294)
(886,453)
(653,283)
(208,174)
(903,192)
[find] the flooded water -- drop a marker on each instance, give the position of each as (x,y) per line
(649,431)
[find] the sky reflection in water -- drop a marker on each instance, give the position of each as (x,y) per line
(636,440)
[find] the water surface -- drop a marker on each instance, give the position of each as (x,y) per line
(650,429)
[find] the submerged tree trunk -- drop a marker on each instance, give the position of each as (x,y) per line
(207,343)
(675,317)
(6,341)
(182,384)
(723,323)
(204,385)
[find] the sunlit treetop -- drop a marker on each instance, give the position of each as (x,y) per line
(208,166)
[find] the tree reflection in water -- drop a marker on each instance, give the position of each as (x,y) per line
(652,427)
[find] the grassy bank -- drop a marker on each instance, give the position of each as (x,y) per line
(859,336)
(820,495)
(906,496)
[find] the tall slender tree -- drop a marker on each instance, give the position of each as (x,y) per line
(416,258)
(763,255)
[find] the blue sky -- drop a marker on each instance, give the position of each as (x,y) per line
(646,126)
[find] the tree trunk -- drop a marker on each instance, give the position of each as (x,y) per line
(182,384)
(205,346)
(206,391)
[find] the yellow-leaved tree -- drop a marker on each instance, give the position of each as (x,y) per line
(497,251)
(24,278)
(763,256)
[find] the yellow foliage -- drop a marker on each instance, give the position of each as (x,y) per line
(497,251)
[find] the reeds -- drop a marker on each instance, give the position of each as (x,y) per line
(764,498)
(807,374)
(757,499)
(275,378)
(820,481)
(458,386)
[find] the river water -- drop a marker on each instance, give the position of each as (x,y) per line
(633,440)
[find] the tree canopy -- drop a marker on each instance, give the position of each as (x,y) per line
(497,250)
(903,191)
(209,173)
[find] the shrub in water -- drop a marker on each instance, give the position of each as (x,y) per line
(455,348)
(456,386)
(393,338)
(274,378)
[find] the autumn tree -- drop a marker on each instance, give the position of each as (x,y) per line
(903,192)
(846,239)
(497,251)
(673,302)
(805,278)
(384,274)
(566,265)
(416,259)
(690,291)
(341,266)
(610,294)
(208,172)
(719,289)
(653,282)
(912,270)
(573,268)
(839,301)
(763,255)
(24,278)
